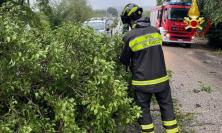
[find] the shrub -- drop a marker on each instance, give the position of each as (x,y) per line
(62,80)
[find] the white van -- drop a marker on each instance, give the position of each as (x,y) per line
(98,25)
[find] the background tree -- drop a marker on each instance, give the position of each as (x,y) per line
(213,10)
(75,10)
(65,10)
(20,2)
(159,2)
(46,12)
(1,2)
(146,13)
(99,13)
(112,11)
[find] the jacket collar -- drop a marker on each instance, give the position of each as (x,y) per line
(140,23)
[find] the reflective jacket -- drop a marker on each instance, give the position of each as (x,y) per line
(144,55)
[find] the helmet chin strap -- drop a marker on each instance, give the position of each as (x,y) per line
(132,24)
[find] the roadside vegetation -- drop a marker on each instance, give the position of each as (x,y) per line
(219,52)
(170,73)
(184,119)
(57,76)
(206,88)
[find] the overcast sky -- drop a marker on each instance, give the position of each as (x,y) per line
(102,4)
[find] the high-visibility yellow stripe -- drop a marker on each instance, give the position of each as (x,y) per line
(125,10)
(170,123)
(144,37)
(150,82)
(175,130)
(132,10)
(145,41)
(134,26)
(149,126)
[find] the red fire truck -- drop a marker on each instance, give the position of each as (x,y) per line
(169,19)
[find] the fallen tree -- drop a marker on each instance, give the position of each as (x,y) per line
(62,80)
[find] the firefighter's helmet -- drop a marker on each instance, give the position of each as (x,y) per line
(131,12)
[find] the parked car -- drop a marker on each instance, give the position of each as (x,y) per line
(99,25)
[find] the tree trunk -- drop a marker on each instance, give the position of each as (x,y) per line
(28,2)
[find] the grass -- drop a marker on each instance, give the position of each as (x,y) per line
(153,100)
(170,73)
(184,119)
(206,88)
(219,52)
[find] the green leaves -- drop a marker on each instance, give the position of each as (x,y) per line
(213,9)
(62,80)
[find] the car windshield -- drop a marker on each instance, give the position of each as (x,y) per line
(97,25)
(178,13)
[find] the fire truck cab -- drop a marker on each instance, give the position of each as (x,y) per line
(169,19)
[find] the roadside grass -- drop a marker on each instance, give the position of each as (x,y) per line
(206,88)
(170,74)
(219,52)
(154,101)
(184,119)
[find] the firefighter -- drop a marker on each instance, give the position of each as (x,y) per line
(143,54)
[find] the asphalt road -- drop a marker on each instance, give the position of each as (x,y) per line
(192,69)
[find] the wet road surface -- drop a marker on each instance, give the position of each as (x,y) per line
(196,72)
